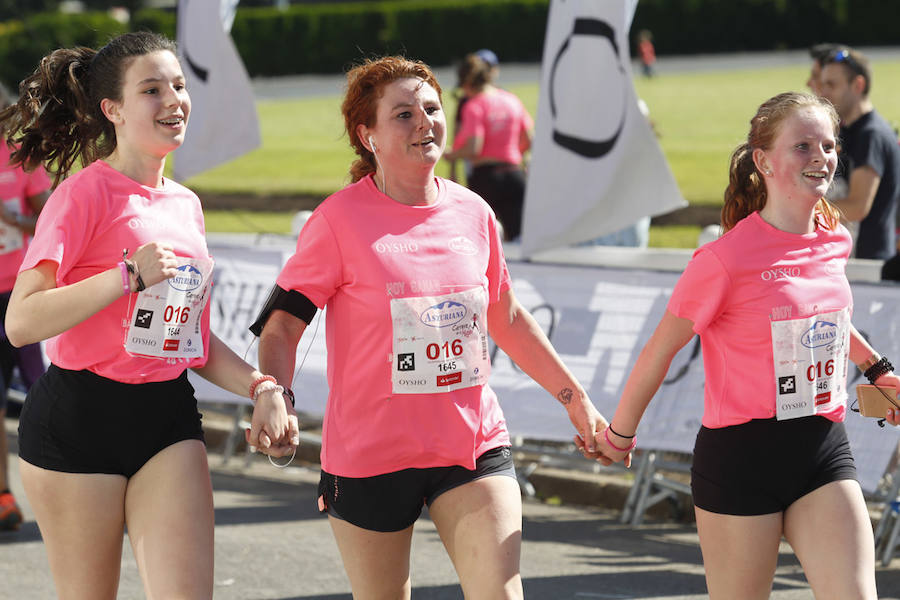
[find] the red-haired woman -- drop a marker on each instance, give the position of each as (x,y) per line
(412,271)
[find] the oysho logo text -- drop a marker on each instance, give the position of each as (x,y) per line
(396,247)
(779,273)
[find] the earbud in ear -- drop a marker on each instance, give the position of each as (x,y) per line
(372,143)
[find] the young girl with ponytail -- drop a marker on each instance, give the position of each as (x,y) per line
(772,305)
(117,280)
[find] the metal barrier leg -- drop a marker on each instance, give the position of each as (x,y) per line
(234,436)
(525,485)
(891,544)
(886,515)
(631,500)
(638,516)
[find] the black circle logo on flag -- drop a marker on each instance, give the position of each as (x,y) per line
(579,145)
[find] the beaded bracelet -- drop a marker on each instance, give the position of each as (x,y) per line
(882,367)
(266,386)
(258,381)
(628,449)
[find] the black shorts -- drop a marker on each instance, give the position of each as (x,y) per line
(80,422)
(503,187)
(765,465)
(393,501)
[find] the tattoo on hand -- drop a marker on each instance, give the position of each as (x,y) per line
(565,396)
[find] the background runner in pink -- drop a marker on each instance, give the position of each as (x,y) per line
(27,188)
(499,119)
(494,132)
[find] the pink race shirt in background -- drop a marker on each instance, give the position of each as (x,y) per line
(16,186)
(733,289)
(90,218)
(358,251)
(500,119)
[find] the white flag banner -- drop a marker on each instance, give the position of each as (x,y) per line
(596,165)
(223,123)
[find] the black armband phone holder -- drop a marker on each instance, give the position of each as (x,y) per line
(292,302)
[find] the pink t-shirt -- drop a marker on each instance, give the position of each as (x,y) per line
(499,118)
(16,186)
(733,289)
(88,220)
(359,250)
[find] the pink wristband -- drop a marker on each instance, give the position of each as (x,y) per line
(628,449)
(126,280)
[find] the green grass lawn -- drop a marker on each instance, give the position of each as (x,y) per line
(700,118)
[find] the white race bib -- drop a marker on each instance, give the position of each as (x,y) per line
(440,342)
(811,357)
(165,320)
(11,237)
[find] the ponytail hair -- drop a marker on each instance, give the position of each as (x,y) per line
(365,85)
(746,192)
(57,119)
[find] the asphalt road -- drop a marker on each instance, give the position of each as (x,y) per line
(272,544)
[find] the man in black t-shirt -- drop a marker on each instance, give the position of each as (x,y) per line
(870,155)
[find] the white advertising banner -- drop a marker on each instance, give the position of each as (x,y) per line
(598,319)
(596,165)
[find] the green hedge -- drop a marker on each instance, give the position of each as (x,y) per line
(693,26)
(327,38)
(24,43)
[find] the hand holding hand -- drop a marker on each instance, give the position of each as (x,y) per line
(274,428)
(587,421)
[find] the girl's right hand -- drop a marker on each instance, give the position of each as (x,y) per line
(155,262)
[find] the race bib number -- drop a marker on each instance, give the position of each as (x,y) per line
(11,237)
(811,357)
(440,342)
(165,319)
